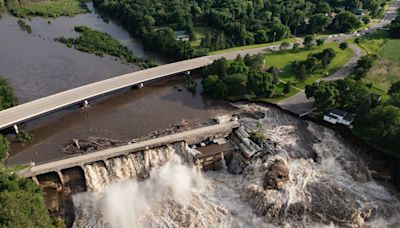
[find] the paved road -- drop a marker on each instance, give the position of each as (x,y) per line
(122,150)
(300,104)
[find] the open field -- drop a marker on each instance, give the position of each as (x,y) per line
(386,69)
(284,59)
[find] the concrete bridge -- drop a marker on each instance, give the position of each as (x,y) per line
(191,137)
(23,112)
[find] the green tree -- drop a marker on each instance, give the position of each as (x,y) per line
(21,203)
(261,84)
(394,88)
(320,42)
(287,88)
(214,87)
(7,97)
(345,21)
(394,100)
(4,148)
(343,45)
(324,93)
(296,46)
(384,126)
(218,67)
(308,41)
(236,84)
(319,23)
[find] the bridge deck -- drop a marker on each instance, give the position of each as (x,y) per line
(121,150)
(44,105)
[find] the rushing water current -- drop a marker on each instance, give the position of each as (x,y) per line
(328,185)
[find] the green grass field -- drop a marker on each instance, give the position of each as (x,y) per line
(290,40)
(55,8)
(279,95)
(284,59)
(386,69)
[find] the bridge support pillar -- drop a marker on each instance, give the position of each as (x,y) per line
(85,103)
(34,179)
(187,72)
(60,175)
(16,129)
(140,85)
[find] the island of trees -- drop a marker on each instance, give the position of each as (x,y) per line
(101,43)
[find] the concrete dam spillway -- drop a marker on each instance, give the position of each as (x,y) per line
(96,171)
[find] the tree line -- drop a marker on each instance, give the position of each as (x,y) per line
(233,23)
(21,200)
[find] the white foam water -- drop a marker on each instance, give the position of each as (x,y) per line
(328,186)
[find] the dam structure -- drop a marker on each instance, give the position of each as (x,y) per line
(194,136)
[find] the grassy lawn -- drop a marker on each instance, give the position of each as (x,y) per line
(200,32)
(279,95)
(290,40)
(284,59)
(55,8)
(386,69)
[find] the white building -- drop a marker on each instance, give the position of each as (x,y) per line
(339,116)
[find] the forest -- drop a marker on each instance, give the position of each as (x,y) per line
(231,23)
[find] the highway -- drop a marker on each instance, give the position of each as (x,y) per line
(81,160)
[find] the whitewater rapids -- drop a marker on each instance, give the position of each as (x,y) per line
(329,185)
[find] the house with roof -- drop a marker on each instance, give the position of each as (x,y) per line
(182,35)
(339,116)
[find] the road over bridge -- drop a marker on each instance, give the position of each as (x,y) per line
(23,112)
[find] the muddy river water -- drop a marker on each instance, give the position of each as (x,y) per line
(37,66)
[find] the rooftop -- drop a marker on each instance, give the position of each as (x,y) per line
(338,112)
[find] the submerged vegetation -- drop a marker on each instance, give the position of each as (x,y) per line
(53,8)
(24,26)
(101,43)
(7,97)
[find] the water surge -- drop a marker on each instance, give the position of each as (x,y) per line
(327,184)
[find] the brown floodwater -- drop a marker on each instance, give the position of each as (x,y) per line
(37,66)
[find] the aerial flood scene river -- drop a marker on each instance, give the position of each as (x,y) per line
(204,142)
